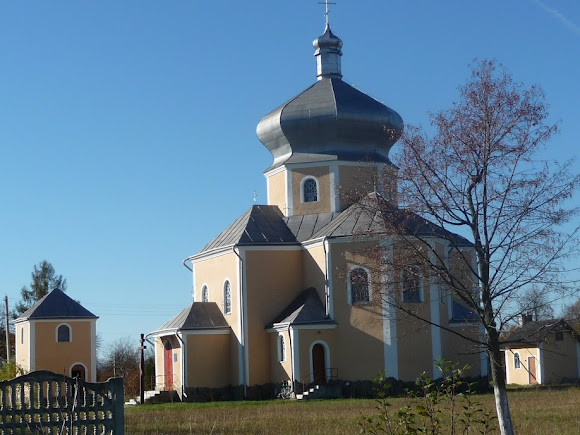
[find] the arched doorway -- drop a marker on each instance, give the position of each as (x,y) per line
(318,364)
(78,371)
(168,365)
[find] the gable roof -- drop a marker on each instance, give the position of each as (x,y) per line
(305,309)
(199,315)
(260,225)
(56,305)
(534,332)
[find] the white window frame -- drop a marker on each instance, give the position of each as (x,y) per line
(227,283)
(517,361)
(349,285)
(78,363)
(70,335)
(302,182)
(420,280)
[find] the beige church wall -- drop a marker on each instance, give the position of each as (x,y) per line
(277,191)
(59,357)
(307,338)
(462,351)
(314,261)
(360,330)
(281,370)
(159,364)
(22,347)
(208,360)
(355,182)
(273,280)
(560,359)
(521,376)
(323,203)
(213,272)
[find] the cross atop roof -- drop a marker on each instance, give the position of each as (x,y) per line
(326,3)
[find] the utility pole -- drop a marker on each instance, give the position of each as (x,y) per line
(7,329)
(142,348)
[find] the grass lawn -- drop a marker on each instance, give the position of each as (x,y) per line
(534,411)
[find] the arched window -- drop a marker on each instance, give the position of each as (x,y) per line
(411,284)
(78,371)
(309,190)
(517,361)
(281,348)
(227,298)
(204,294)
(22,335)
(359,286)
(63,334)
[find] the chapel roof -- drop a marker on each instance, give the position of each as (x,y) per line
(330,120)
(199,315)
(534,332)
(307,308)
(56,305)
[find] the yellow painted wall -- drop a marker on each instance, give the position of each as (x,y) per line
(274,279)
(324,200)
(281,370)
(277,191)
(460,350)
(213,272)
(355,182)
(208,359)
(22,348)
(560,359)
(59,357)
(360,328)
(521,376)
(159,365)
(314,270)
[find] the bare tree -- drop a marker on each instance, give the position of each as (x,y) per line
(479,175)
(572,314)
(535,302)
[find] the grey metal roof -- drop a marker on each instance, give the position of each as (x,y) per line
(534,332)
(305,309)
(330,120)
(199,315)
(260,225)
(370,215)
(56,305)
(305,226)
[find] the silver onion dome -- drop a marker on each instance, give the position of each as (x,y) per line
(331,120)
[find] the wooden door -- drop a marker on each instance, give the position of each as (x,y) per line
(168,365)
(318,364)
(532,370)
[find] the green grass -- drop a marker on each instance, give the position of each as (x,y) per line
(534,411)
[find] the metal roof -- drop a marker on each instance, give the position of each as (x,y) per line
(260,225)
(199,315)
(534,332)
(56,305)
(305,309)
(305,226)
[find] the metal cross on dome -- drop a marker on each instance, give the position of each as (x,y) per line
(326,2)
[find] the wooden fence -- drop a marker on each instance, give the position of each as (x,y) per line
(43,402)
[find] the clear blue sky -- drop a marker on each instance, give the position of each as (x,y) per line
(127,129)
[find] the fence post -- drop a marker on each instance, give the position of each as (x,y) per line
(118,393)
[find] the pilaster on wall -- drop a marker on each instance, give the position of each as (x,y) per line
(434,297)
(389,312)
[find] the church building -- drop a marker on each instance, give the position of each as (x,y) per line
(290,292)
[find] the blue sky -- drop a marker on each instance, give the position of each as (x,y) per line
(127,129)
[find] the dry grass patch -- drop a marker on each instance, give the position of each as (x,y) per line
(535,411)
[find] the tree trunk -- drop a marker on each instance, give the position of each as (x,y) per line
(499,386)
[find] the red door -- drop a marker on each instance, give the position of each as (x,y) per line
(532,370)
(168,365)
(318,364)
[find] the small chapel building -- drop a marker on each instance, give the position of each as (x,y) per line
(57,334)
(288,293)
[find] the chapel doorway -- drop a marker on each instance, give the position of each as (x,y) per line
(318,364)
(168,365)
(532,370)
(78,371)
